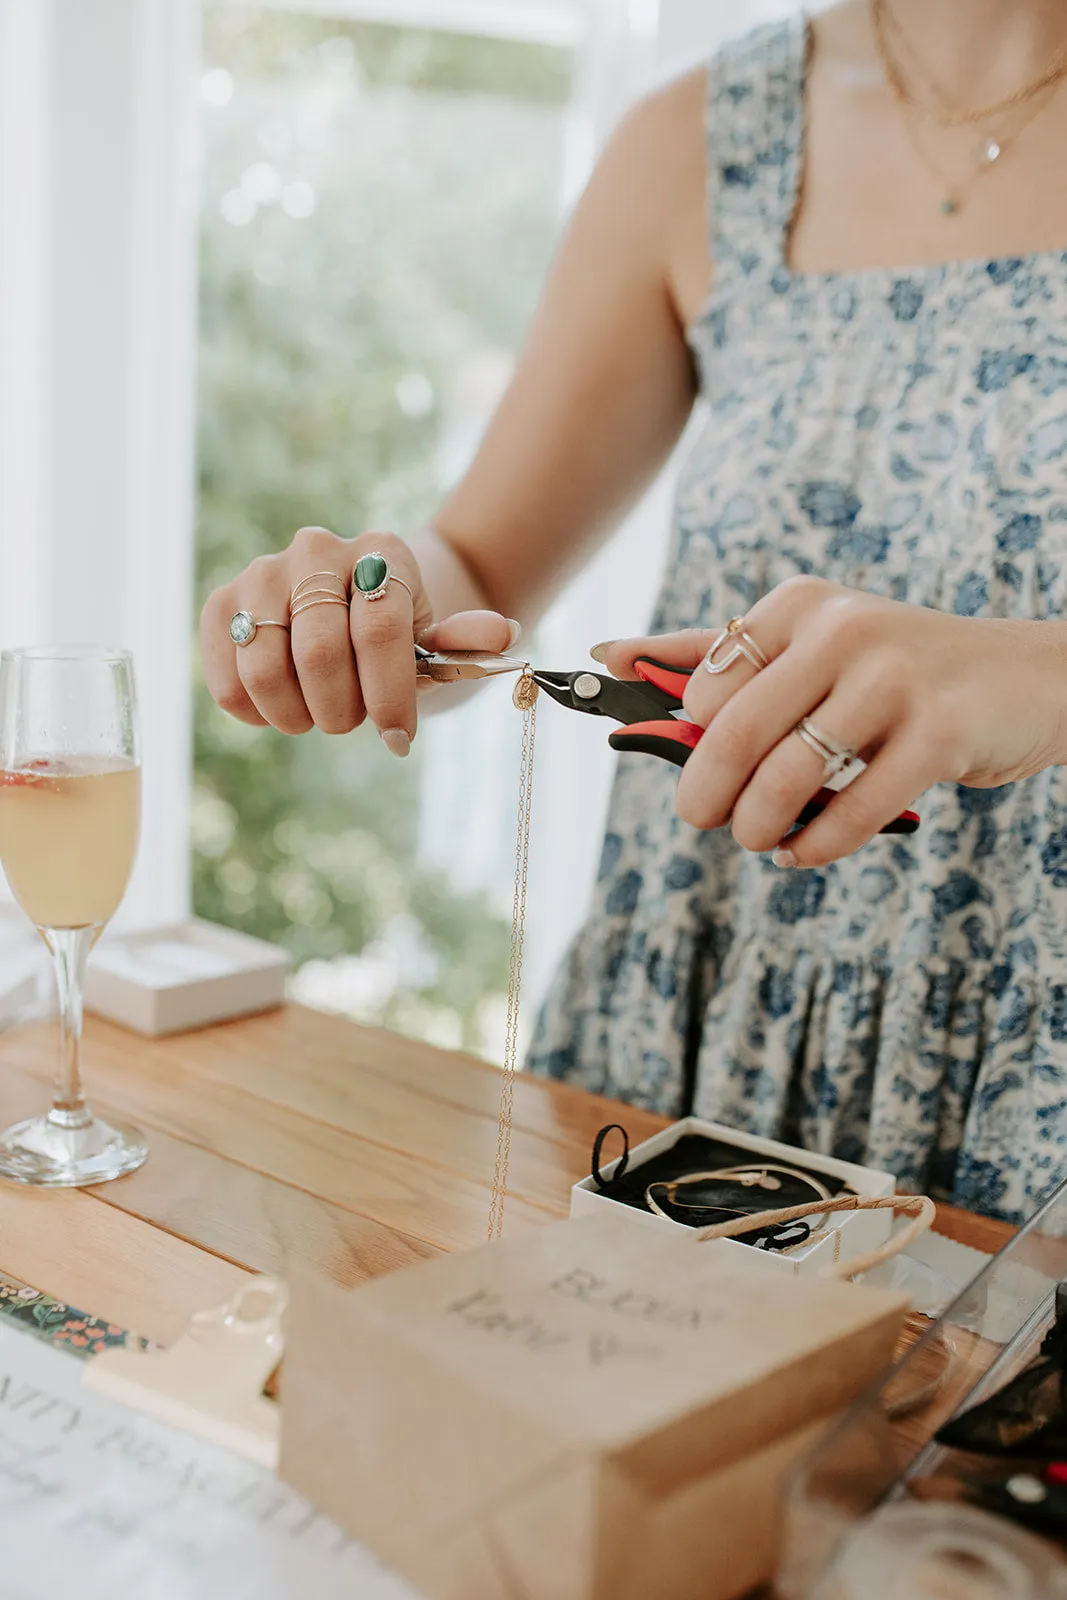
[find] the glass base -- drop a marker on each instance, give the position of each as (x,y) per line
(45,1152)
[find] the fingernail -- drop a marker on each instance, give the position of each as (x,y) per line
(784,858)
(599,652)
(514,632)
(396,741)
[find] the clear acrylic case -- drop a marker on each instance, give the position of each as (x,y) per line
(857,1508)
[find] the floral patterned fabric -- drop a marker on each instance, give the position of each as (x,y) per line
(903,432)
(60,1325)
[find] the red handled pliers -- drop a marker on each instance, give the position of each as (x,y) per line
(649,711)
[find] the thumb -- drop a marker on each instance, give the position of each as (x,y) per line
(473,630)
(685,649)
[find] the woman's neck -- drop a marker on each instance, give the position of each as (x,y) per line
(979,51)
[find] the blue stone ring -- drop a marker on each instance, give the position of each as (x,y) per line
(372,577)
(244,627)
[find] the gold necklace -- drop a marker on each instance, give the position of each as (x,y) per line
(941,113)
(525,699)
(990,150)
(992,145)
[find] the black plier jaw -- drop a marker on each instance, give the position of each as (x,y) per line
(601,696)
(646,710)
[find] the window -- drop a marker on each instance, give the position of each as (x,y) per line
(412,158)
(379,204)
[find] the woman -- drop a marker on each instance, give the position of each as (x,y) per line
(880,213)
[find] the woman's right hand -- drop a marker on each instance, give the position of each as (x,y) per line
(329,670)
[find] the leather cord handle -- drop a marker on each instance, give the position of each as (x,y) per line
(921,1208)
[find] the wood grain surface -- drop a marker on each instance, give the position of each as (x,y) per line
(291,1134)
(295,1134)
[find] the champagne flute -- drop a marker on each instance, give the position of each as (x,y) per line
(70,805)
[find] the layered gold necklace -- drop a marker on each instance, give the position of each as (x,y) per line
(1000,123)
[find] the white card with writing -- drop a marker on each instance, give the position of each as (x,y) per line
(96,1495)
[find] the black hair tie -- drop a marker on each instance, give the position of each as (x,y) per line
(602,1183)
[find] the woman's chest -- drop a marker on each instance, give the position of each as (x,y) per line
(906,435)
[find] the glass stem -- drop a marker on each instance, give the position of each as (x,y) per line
(70,949)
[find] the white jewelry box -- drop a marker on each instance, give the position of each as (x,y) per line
(172,979)
(848,1235)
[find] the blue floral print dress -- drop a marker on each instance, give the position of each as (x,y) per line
(902,432)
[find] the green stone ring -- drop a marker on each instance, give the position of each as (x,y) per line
(372,576)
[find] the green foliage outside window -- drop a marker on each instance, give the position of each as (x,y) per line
(379,206)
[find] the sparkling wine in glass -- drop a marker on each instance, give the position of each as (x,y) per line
(70,804)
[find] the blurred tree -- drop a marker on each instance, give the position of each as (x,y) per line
(379,205)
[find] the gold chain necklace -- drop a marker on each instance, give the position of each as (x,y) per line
(525,699)
(941,112)
(990,150)
(991,145)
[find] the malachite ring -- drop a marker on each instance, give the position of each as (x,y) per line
(372,576)
(244,627)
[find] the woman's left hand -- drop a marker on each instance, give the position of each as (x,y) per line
(922,696)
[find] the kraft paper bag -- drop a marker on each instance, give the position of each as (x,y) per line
(590,1411)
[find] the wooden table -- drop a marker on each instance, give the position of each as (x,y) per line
(292,1132)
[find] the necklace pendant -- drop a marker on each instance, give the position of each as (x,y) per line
(525,692)
(949,206)
(989,151)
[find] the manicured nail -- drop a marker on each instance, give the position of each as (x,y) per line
(599,652)
(514,633)
(784,858)
(396,741)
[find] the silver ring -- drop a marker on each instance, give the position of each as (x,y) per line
(743,647)
(302,592)
(244,627)
(834,755)
(306,602)
(373,575)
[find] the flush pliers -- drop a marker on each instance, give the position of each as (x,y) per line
(647,708)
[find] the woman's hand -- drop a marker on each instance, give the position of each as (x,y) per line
(339,664)
(922,696)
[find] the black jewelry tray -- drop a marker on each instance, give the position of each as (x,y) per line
(697,1152)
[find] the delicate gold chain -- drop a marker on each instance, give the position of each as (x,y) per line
(525,698)
(948,118)
(955,189)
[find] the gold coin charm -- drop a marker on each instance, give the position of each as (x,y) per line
(525,691)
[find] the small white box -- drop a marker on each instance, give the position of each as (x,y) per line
(851,1234)
(184,977)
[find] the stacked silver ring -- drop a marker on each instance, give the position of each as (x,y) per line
(742,648)
(834,755)
(304,598)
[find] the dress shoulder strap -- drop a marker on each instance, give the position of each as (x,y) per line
(755,137)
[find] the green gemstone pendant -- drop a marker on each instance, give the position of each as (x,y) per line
(949,205)
(371,576)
